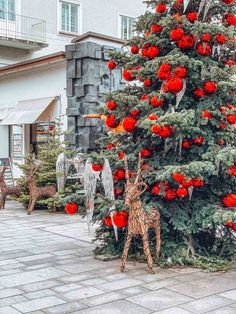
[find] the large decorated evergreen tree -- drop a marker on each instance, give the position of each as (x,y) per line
(178,110)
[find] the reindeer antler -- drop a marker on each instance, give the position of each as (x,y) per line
(138,175)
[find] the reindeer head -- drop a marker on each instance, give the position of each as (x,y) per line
(134,189)
(34,167)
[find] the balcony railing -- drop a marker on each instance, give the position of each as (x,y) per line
(14,27)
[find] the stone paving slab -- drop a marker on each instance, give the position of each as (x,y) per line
(47,266)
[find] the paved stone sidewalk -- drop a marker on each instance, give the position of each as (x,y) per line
(47,266)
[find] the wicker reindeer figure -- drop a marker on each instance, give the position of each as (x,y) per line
(37,192)
(139,221)
(6,190)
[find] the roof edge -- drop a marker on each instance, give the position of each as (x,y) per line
(98,36)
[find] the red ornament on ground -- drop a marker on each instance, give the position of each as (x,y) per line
(210,87)
(120,219)
(111,65)
(229,200)
(153,52)
(161,8)
(192,16)
(129,124)
(156,102)
(111,105)
(182,192)
(175,85)
(155,28)
(134,50)
(71,208)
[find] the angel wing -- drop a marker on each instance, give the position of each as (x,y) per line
(107,181)
(62,169)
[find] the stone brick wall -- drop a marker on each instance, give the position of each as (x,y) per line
(88,79)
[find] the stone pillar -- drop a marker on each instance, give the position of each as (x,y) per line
(88,79)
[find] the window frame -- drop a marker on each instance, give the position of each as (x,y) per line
(59,17)
(7,13)
(120,15)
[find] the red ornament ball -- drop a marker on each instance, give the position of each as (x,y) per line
(71,208)
(221,39)
(199,92)
(204,49)
(186,144)
(192,16)
(161,8)
(206,114)
(134,50)
(178,177)
(231,118)
(198,140)
(206,37)
(153,52)
(119,174)
(97,167)
(230,19)
(156,102)
(135,113)
(228,1)
(170,194)
(120,219)
(111,105)
(234,227)
(108,222)
(156,189)
(210,87)
(186,42)
(146,153)
(229,200)
(197,182)
(129,124)
(182,192)
(152,117)
(156,128)
(181,71)
(155,28)
(165,132)
(111,65)
(229,224)
(111,146)
(127,75)
(175,85)
(111,122)
(176,34)
(147,83)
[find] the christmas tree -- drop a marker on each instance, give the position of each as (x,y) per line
(178,110)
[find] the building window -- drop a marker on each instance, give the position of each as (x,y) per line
(127,27)
(69,17)
(8,10)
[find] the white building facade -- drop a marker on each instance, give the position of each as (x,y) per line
(33,36)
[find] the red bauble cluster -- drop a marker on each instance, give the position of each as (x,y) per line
(174,83)
(119,175)
(229,200)
(161,8)
(111,65)
(111,105)
(164,72)
(129,124)
(97,167)
(192,16)
(71,208)
(156,102)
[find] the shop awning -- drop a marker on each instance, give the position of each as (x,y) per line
(28,111)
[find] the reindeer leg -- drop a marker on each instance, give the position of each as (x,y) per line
(158,239)
(4,201)
(31,206)
(147,252)
(125,253)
